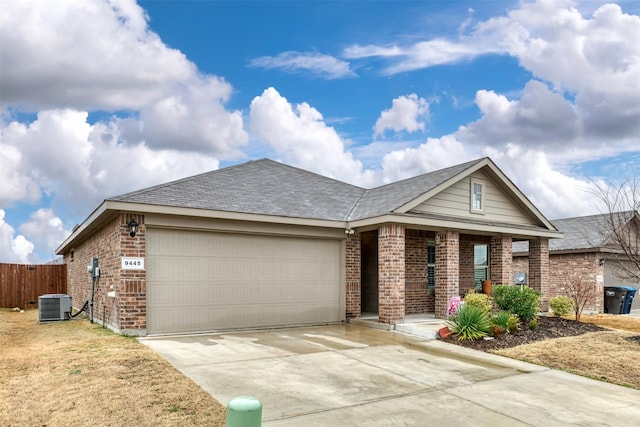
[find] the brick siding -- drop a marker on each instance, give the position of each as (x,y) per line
(586,265)
(418,297)
(391,273)
(447,270)
(539,269)
(126,312)
(353,273)
(500,267)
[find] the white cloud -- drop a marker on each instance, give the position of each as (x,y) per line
(540,118)
(16,249)
(101,55)
(72,161)
(191,118)
(422,54)
(434,154)
(299,134)
(16,186)
(554,193)
(85,55)
(45,230)
(592,59)
(313,63)
(407,113)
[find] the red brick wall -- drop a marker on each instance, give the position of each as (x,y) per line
(447,270)
(586,265)
(127,311)
(132,293)
(500,254)
(391,273)
(353,287)
(466,262)
(539,269)
(418,298)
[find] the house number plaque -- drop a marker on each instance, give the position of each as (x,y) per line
(130,263)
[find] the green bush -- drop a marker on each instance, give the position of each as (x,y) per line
(561,305)
(522,301)
(479,300)
(501,319)
(470,323)
(533,324)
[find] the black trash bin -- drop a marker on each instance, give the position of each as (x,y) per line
(614,297)
(631,292)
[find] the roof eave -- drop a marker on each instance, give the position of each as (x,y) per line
(109,208)
(452,224)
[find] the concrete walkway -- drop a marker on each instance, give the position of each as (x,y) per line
(349,375)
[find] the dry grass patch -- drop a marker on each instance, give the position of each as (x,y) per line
(610,356)
(613,321)
(76,373)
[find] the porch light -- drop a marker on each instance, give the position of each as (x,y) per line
(601,262)
(133,228)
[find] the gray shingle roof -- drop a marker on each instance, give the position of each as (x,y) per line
(585,232)
(271,188)
(259,187)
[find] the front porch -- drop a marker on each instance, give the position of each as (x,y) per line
(394,272)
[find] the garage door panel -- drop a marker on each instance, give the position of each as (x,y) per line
(198,281)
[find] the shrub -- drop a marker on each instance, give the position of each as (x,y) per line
(513,325)
(479,300)
(533,324)
(501,318)
(507,321)
(561,305)
(522,301)
(470,323)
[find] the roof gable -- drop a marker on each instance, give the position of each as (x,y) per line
(410,195)
(395,196)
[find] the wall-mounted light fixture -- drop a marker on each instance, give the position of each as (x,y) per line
(133,228)
(349,231)
(601,262)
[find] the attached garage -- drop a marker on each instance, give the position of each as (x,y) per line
(263,244)
(202,281)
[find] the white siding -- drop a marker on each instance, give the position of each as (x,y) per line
(455,201)
(202,281)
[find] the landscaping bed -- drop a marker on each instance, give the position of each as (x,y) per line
(548,328)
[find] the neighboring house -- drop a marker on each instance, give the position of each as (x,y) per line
(265,244)
(586,251)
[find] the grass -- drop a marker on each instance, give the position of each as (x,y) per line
(77,373)
(610,356)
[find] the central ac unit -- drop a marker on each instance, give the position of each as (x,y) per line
(54,307)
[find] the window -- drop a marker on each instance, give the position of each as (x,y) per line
(431,265)
(480,265)
(477,196)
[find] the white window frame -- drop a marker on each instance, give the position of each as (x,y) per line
(475,182)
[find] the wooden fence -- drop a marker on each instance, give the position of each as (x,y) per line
(22,284)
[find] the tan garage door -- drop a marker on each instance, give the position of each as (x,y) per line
(204,281)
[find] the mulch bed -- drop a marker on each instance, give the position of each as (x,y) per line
(548,328)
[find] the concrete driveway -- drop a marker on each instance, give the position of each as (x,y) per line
(345,375)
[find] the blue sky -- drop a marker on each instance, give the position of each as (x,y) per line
(99,97)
